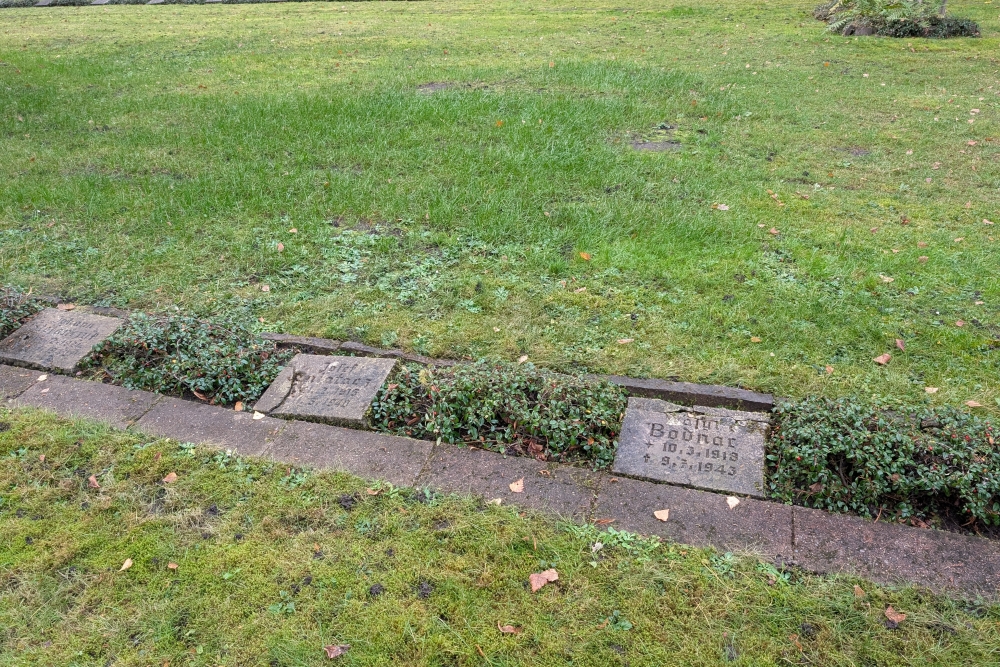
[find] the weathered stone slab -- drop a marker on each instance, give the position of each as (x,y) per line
(688,393)
(709,448)
(100,2)
(209,425)
(14,380)
(331,389)
(69,397)
(56,340)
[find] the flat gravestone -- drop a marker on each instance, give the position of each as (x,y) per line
(708,448)
(330,389)
(43,3)
(100,2)
(56,340)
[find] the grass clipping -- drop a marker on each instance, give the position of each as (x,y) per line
(512,408)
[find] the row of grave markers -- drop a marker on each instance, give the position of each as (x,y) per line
(710,448)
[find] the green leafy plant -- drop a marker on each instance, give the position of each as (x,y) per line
(515,408)
(906,463)
(15,307)
(895,18)
(219,363)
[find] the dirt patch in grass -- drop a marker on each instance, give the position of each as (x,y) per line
(435,86)
(657,146)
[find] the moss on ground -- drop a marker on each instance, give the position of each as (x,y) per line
(274,563)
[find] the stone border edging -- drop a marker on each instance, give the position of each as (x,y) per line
(812,539)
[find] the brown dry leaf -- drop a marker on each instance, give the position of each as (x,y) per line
(931,390)
(200,396)
(858,591)
(986,222)
(603,522)
(732,501)
(293,231)
(336,650)
(66,306)
(921,244)
(662,515)
(126,565)
(974,404)
(894,616)
(170,478)
(773,231)
(585,256)
(795,640)
(281,247)
(625,341)
(373,492)
(959,239)
(171,566)
(523,358)
(817,487)
(239,406)
(887,279)
(41,458)
(923,259)
(92,482)
(539,579)
(518,486)
(882,359)
(829,370)
(479,650)
(508,629)
(265,288)
(901,345)
(579,290)
(755,339)
(960,323)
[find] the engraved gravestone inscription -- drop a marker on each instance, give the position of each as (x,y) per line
(332,389)
(56,340)
(710,448)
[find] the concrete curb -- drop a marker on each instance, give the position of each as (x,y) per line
(814,540)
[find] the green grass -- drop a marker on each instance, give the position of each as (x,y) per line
(271,567)
(155,157)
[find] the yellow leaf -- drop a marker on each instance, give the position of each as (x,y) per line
(126,565)
(518,486)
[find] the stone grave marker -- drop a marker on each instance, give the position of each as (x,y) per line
(56,340)
(100,2)
(708,448)
(331,389)
(43,3)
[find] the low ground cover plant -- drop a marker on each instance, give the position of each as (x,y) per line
(221,363)
(515,408)
(926,463)
(895,18)
(15,307)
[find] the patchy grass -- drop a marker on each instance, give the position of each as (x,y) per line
(274,563)
(156,157)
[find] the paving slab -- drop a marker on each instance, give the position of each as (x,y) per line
(708,448)
(56,340)
(565,490)
(209,425)
(326,388)
(14,380)
(890,553)
(81,398)
(362,453)
(698,518)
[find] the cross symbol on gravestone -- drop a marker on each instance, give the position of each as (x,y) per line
(646,458)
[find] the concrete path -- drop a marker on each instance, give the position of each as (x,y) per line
(814,540)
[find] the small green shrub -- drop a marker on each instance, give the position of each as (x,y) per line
(850,456)
(934,27)
(513,408)
(895,18)
(220,363)
(15,307)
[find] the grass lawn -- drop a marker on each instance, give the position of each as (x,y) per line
(190,156)
(273,564)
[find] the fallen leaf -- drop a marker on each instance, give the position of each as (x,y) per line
(92,482)
(882,359)
(495,501)
(171,566)
(931,390)
(479,650)
(265,288)
(126,565)
(66,306)
(774,231)
(43,378)
(170,478)
(722,207)
(625,341)
(579,290)
(523,358)
(986,222)
(518,486)
(960,323)
(258,415)
(281,247)
(662,515)
(858,591)
(293,231)
(886,279)
(499,123)
(795,638)
(923,259)
(508,629)
(755,339)
(41,458)
(829,370)
(585,256)
(603,522)
(336,650)
(974,404)
(732,501)
(959,239)
(373,492)
(901,345)
(539,579)
(894,616)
